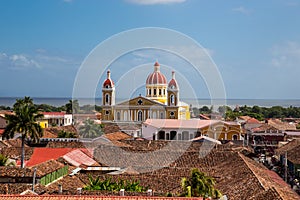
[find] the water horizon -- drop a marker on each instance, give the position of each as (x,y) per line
(60,101)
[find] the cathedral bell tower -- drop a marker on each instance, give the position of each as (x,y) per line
(173,98)
(108,98)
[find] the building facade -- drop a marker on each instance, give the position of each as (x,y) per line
(160,102)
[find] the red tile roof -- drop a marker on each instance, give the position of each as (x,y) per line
(41,155)
(54,113)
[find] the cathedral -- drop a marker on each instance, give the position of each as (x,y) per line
(161,100)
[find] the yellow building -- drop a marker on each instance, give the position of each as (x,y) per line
(160,102)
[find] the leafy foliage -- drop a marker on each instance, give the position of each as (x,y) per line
(199,185)
(23,121)
(108,184)
(66,134)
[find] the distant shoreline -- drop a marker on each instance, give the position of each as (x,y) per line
(60,101)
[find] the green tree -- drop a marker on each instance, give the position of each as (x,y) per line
(109,185)
(90,130)
(199,185)
(23,121)
(204,110)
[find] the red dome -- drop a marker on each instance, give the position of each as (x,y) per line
(173,83)
(108,83)
(156,77)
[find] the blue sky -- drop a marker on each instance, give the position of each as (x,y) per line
(255,44)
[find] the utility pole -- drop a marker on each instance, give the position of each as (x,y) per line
(33,181)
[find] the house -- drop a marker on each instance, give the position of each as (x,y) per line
(55,119)
(264,138)
(172,129)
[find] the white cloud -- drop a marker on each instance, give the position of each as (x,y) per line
(3,56)
(242,10)
(20,60)
(286,55)
(154,2)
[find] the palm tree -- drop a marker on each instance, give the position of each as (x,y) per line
(72,107)
(23,121)
(90,129)
(199,185)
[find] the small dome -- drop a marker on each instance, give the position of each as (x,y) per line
(156,77)
(108,83)
(173,83)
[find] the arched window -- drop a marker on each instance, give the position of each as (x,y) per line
(154,91)
(235,137)
(125,116)
(161,135)
(172,99)
(154,115)
(162,115)
(140,116)
(159,91)
(118,116)
(106,99)
(173,135)
(150,91)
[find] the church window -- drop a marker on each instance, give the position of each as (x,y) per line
(164,91)
(140,102)
(140,116)
(107,112)
(149,91)
(107,99)
(154,115)
(154,91)
(159,91)
(125,116)
(118,116)
(172,99)
(162,115)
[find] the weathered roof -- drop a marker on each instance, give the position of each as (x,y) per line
(290,145)
(88,197)
(117,136)
(78,158)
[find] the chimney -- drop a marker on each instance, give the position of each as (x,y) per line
(79,191)
(149,192)
(59,189)
(122,192)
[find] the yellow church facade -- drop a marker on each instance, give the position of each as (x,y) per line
(161,101)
